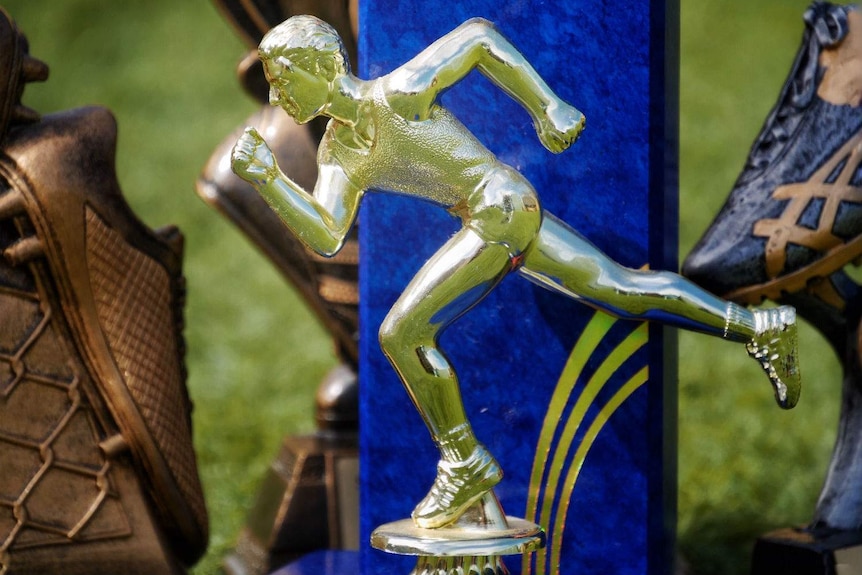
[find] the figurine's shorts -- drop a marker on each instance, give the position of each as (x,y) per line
(505,210)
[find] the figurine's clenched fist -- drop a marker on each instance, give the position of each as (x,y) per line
(252,160)
(560,126)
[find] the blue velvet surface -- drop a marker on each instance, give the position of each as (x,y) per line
(323,563)
(612,185)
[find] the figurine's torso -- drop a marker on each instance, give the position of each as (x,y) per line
(436,159)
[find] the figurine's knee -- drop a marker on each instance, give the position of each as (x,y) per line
(410,348)
(388,336)
(396,337)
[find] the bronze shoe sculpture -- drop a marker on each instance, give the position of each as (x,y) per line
(97,470)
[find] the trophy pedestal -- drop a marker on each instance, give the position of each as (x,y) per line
(307,501)
(800,552)
(473,545)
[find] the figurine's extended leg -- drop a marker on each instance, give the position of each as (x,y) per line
(564,261)
(459,275)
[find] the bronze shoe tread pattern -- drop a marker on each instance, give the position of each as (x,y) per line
(124,279)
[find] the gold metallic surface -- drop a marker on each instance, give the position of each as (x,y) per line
(774,346)
(577,464)
(334,302)
(474,543)
(251,19)
(404,538)
(391,134)
(558,459)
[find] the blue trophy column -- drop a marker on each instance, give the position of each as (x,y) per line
(578,407)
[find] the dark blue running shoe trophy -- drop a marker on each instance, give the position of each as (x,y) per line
(792,222)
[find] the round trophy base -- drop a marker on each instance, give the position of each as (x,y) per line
(404,538)
(470,546)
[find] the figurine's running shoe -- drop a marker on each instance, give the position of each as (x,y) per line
(795,213)
(457,487)
(774,346)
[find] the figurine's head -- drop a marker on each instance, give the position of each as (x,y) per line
(302,57)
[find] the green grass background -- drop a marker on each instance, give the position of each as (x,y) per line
(166,69)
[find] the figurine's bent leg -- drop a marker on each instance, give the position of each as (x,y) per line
(564,261)
(462,272)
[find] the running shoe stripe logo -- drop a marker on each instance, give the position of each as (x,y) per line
(787,229)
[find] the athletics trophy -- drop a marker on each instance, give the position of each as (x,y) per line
(393,134)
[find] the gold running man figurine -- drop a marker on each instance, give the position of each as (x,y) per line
(391,134)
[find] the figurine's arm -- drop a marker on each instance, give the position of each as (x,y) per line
(415,86)
(321,220)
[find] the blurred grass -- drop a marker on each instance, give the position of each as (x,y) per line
(166,69)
